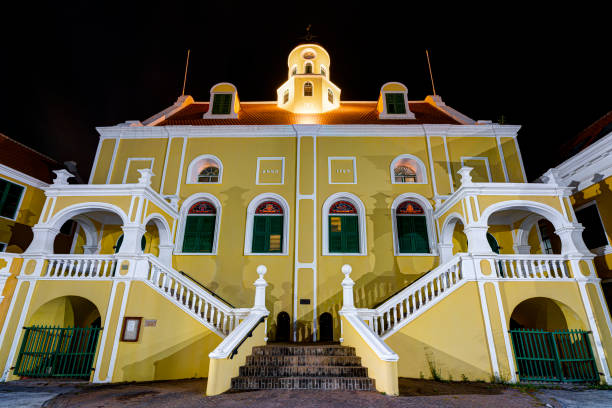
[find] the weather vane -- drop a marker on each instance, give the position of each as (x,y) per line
(308,36)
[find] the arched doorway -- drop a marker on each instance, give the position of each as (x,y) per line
(326,327)
(549,343)
(60,339)
(283,323)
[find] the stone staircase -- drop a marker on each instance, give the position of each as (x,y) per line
(327,366)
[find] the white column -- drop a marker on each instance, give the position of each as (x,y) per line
(446,252)
(260,289)
(90,249)
(571,240)
(132,234)
(521,249)
(42,243)
(477,239)
(165,254)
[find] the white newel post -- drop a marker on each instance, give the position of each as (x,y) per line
(446,252)
(348,302)
(477,239)
(165,254)
(466,177)
(260,289)
(61,177)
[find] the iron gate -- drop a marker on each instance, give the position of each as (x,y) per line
(65,352)
(559,356)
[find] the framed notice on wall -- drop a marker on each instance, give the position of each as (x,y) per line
(131,328)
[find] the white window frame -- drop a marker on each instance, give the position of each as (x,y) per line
(248,232)
(329,167)
(304,89)
(232,115)
(23,193)
(192,177)
(361,222)
(183,213)
(259,159)
(431,231)
(602,250)
(421,171)
(384,114)
(486,160)
(129,162)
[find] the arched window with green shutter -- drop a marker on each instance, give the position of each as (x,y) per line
(268,223)
(343,228)
(200,224)
(411,221)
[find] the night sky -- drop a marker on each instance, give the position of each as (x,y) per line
(65,69)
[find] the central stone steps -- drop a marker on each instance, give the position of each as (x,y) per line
(303,366)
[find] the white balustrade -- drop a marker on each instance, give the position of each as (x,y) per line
(416,298)
(80,267)
(541,267)
(193,299)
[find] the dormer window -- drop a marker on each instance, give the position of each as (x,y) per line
(395,103)
(286,96)
(222,104)
(308,68)
(330,96)
(308,89)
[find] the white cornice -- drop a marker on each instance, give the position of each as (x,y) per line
(506,189)
(354,130)
(589,166)
(22,177)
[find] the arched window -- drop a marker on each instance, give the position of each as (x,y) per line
(209,174)
(308,89)
(268,228)
(308,68)
(407,168)
(200,225)
(343,228)
(323,71)
(411,222)
(330,96)
(205,169)
(286,96)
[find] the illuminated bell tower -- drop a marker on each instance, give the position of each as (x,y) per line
(308,89)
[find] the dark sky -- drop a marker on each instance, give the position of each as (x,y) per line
(67,68)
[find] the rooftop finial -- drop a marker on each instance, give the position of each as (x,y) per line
(308,37)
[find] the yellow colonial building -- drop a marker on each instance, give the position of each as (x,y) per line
(389,237)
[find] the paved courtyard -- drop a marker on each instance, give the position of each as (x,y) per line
(190,393)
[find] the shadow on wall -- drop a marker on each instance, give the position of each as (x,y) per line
(187,359)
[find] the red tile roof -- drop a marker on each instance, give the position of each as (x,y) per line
(26,160)
(349,113)
(588,136)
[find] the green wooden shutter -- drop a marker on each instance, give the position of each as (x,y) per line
(493,243)
(199,234)
(10,195)
(275,224)
(412,235)
(395,103)
(350,234)
(334,238)
(222,104)
(260,234)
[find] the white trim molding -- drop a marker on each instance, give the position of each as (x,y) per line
(485,159)
(180,233)
(329,168)
(361,221)
(431,231)
(21,177)
(421,174)
(259,159)
(203,159)
(129,161)
(248,233)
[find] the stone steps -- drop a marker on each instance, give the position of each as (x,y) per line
(303,366)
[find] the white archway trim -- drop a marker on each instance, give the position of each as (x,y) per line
(198,164)
(521,239)
(449,227)
(180,233)
(361,214)
(248,233)
(90,232)
(431,232)
(421,170)
(83,208)
(544,210)
(163,227)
